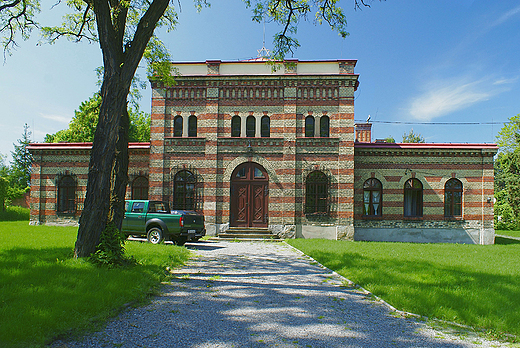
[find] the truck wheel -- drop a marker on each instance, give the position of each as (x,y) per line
(180,241)
(155,235)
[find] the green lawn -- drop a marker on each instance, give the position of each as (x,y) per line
(473,285)
(515,234)
(45,293)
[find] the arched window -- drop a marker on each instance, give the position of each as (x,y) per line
(184,190)
(324,126)
(67,195)
(453,198)
(177,126)
(316,193)
(140,188)
(250,126)
(192,126)
(265,129)
(372,197)
(236,126)
(413,198)
(309,126)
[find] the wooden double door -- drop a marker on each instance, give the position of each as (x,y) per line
(249,196)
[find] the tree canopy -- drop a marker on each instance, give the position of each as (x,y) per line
(15,178)
(507,176)
(83,124)
(413,137)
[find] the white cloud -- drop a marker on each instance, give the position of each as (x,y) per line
(505,81)
(57,118)
(445,97)
(505,17)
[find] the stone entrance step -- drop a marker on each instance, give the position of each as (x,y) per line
(248,234)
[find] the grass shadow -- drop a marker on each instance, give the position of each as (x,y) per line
(506,241)
(48,294)
(473,285)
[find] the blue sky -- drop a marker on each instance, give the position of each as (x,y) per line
(419,61)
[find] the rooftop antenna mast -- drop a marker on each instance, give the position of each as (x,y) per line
(263,52)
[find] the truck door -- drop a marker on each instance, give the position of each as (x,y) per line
(135,219)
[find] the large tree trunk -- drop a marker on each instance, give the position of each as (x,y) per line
(120,174)
(108,167)
(106,164)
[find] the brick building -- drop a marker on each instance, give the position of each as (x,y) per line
(251,146)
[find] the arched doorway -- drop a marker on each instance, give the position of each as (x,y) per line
(249,196)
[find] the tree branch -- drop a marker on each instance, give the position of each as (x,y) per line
(143,33)
(10,5)
(15,19)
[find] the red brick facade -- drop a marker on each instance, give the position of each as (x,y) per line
(251,146)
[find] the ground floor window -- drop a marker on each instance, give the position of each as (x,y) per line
(413,198)
(184,191)
(453,198)
(316,193)
(372,194)
(140,188)
(66,195)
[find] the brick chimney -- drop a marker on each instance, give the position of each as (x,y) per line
(364,132)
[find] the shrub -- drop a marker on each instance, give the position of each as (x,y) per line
(110,251)
(14,213)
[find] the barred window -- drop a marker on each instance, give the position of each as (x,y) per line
(66,195)
(184,190)
(309,126)
(453,198)
(177,126)
(316,193)
(413,198)
(140,188)
(236,126)
(372,197)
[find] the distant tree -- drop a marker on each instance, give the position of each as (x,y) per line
(22,160)
(389,139)
(15,179)
(83,125)
(507,176)
(413,137)
(508,136)
(4,183)
(3,192)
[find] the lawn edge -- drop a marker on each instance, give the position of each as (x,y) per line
(403,314)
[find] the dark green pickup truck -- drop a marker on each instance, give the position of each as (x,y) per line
(157,222)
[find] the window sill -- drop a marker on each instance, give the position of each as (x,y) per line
(63,213)
(453,218)
(412,218)
(372,217)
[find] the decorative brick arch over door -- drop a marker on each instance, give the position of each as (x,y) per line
(249,196)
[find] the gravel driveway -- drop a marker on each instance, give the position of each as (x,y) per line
(264,295)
